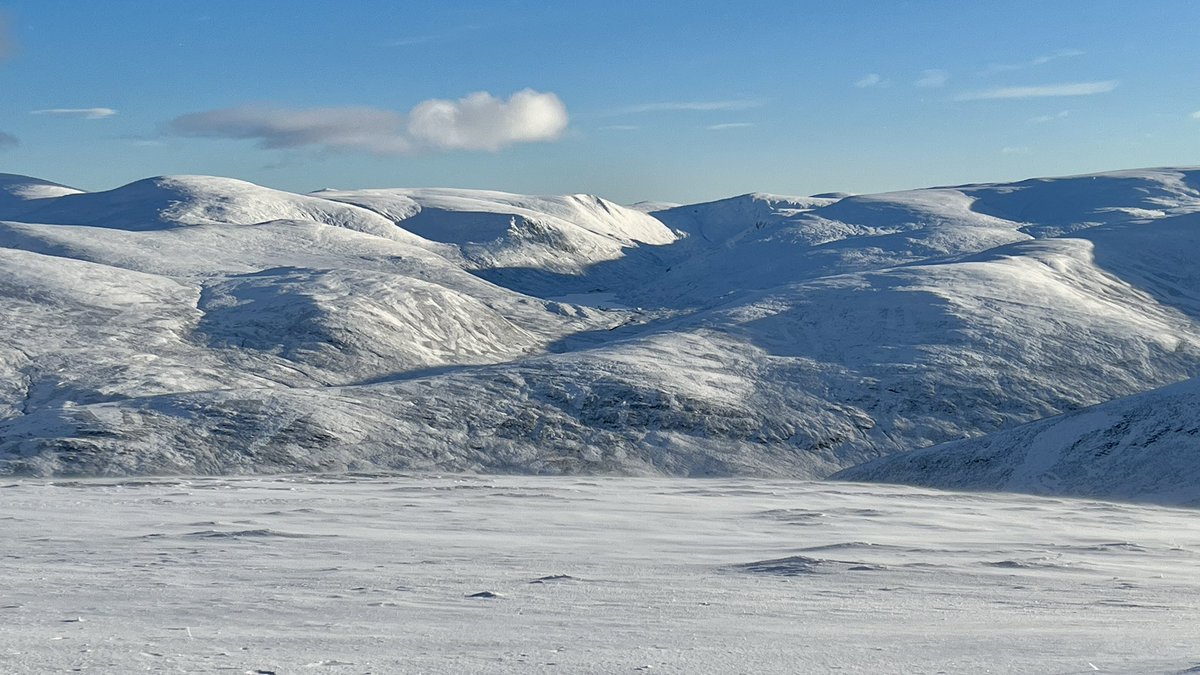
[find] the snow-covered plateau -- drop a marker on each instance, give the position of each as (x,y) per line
(199,325)
(379,574)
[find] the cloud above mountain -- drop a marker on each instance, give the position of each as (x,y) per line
(8,141)
(478,121)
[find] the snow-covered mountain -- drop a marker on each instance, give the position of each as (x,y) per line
(197,324)
(498,229)
(1145,446)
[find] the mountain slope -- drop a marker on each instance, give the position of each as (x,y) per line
(173,201)
(20,194)
(1141,447)
(207,325)
(502,230)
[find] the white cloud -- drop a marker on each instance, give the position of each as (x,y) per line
(1014,150)
(869,80)
(415,40)
(478,121)
(1042,119)
(1196,115)
(358,128)
(620,127)
(8,141)
(1043,91)
(412,41)
(932,78)
(1037,61)
(672,106)
(82,113)
(729,125)
(1060,54)
(481,121)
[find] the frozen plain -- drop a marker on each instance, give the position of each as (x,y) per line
(374,573)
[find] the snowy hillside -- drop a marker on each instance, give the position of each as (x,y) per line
(19,194)
(207,325)
(170,201)
(497,229)
(1142,447)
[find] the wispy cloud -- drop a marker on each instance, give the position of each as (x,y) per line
(620,127)
(932,78)
(1014,150)
(412,41)
(427,38)
(869,80)
(1060,54)
(1042,91)
(729,125)
(8,141)
(81,113)
(478,121)
(1032,63)
(1043,119)
(1196,115)
(675,106)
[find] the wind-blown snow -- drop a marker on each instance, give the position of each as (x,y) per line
(354,574)
(207,325)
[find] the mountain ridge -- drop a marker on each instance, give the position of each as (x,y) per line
(208,325)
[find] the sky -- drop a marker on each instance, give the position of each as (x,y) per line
(666,100)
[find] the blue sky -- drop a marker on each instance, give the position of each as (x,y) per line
(679,101)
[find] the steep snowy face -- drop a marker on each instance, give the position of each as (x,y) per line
(1157,256)
(207,325)
(1144,447)
(720,220)
(502,230)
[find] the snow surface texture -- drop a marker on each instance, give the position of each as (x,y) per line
(207,325)
(357,574)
